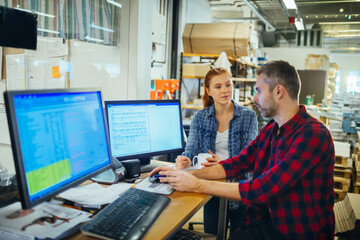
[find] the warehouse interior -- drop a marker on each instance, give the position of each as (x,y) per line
(162,49)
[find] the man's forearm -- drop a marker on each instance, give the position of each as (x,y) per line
(220,189)
(214,172)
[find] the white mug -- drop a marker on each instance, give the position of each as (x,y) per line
(200,158)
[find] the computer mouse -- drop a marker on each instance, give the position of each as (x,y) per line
(154,179)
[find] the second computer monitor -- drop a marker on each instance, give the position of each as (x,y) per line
(140,129)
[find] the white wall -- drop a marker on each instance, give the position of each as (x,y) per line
(295,56)
(346,63)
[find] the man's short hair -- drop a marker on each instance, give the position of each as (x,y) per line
(281,72)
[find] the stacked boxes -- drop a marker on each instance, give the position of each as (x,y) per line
(343,170)
(356,169)
(317,62)
(339,106)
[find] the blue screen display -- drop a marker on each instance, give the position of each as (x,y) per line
(62,137)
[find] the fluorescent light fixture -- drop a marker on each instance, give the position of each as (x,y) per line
(93,39)
(331,23)
(47,30)
(289,4)
(299,24)
(35,12)
(114,3)
(101,28)
(258,14)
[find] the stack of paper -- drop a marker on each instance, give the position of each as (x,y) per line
(46,221)
(347,212)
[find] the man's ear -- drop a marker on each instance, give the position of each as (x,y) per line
(279,91)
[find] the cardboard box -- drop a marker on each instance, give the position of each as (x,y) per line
(317,62)
(214,38)
(195,69)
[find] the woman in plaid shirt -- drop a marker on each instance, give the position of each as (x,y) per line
(223,127)
(293,163)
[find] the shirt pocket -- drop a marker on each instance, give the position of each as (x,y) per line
(205,140)
(241,139)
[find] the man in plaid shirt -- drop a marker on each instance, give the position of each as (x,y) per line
(293,163)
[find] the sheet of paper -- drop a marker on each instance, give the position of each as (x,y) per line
(15,72)
(65,219)
(2,89)
(95,194)
(4,132)
(49,47)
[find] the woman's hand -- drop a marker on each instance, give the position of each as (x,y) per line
(212,161)
(182,162)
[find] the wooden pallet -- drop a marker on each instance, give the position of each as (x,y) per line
(356,178)
(339,195)
(342,172)
(343,162)
(341,184)
(357,189)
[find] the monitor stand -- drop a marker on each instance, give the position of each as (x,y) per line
(146,166)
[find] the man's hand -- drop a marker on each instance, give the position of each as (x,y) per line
(181,181)
(182,162)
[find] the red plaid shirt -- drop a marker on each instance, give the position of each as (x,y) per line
(293,177)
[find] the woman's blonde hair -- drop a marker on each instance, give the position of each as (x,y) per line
(208,100)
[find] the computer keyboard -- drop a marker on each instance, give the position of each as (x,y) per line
(129,217)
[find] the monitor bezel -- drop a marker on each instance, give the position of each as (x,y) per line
(145,157)
(17,151)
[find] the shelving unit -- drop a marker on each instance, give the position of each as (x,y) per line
(240,75)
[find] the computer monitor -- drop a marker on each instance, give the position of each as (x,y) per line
(59,139)
(140,129)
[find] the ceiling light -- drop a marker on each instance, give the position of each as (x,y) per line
(337,23)
(93,39)
(290,4)
(114,3)
(47,30)
(299,24)
(341,10)
(349,17)
(325,16)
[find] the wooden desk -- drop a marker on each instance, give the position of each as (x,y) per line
(180,209)
(182,206)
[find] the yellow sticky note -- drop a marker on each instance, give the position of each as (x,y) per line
(56,72)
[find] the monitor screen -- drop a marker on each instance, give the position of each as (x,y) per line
(144,128)
(59,139)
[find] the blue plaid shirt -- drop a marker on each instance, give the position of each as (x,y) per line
(243,129)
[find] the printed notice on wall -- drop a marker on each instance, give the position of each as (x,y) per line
(45,73)
(15,72)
